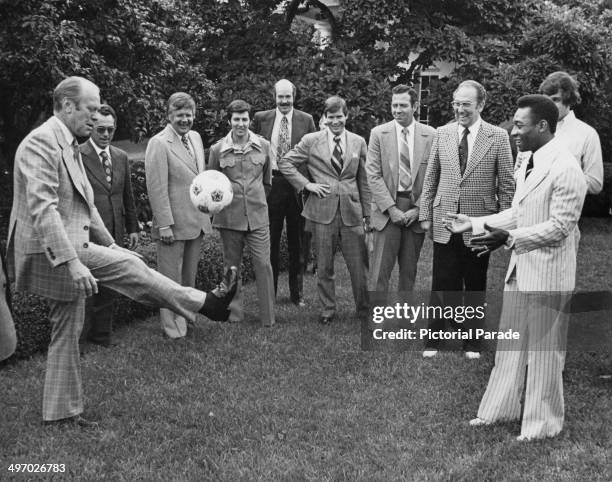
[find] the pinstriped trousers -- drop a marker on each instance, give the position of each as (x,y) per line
(121,272)
(542,324)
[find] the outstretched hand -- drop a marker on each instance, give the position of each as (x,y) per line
(457,223)
(489,241)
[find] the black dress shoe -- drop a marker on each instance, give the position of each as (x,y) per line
(104,343)
(217,300)
(326,320)
(298,302)
(76,420)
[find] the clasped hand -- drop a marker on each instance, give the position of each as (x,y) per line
(483,243)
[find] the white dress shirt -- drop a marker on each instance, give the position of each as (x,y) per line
(583,142)
(99,150)
(471,138)
(275,131)
(410,139)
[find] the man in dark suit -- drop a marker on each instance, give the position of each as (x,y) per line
(470,171)
(284,127)
(59,248)
(397,160)
(339,202)
(108,172)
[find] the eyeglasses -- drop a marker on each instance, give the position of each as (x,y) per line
(465,105)
(102,130)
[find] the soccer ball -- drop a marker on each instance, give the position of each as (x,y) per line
(211,191)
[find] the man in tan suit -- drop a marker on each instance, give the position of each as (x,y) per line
(541,229)
(396,165)
(339,204)
(470,171)
(59,248)
(108,172)
(173,158)
(8,337)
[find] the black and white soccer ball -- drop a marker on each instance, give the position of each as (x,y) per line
(211,191)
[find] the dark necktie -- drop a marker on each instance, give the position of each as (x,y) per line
(529,167)
(107,168)
(463,151)
(405,174)
(284,144)
(185,140)
(337,155)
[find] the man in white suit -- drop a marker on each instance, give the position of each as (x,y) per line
(469,172)
(396,163)
(173,158)
(59,248)
(541,230)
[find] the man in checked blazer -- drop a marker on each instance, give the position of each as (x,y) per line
(339,203)
(108,172)
(59,248)
(396,191)
(173,158)
(470,171)
(284,203)
(541,230)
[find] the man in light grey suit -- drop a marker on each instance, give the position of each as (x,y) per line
(8,336)
(339,204)
(541,229)
(397,160)
(59,248)
(470,171)
(172,159)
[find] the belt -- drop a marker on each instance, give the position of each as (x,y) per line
(407,194)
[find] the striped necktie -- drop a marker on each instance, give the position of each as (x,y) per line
(185,141)
(337,155)
(405,173)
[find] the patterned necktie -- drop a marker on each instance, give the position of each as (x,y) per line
(185,141)
(463,151)
(337,155)
(107,167)
(529,167)
(405,173)
(284,144)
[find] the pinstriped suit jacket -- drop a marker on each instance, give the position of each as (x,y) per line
(169,171)
(543,221)
(349,191)
(53,216)
(486,187)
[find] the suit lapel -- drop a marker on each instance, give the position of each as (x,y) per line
(93,165)
(296,128)
(177,147)
(118,167)
(483,142)
(76,173)
(196,152)
(322,149)
(419,146)
(452,147)
(267,124)
(538,174)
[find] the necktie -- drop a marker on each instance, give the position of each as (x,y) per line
(405,173)
(463,151)
(185,141)
(284,144)
(107,167)
(337,155)
(529,167)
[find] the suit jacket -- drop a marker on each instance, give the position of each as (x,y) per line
(115,205)
(53,216)
(486,187)
(251,176)
(542,221)
(349,191)
(170,170)
(382,168)
(8,337)
(301,124)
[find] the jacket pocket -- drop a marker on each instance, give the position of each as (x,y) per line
(227,161)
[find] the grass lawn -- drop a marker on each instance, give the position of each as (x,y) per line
(302,402)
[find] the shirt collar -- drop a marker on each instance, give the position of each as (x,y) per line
(254,142)
(98,149)
(289,115)
(567,119)
(64,128)
(399,127)
(331,135)
(177,134)
(474,128)
(545,151)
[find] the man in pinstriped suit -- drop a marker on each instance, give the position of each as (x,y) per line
(541,230)
(470,172)
(59,248)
